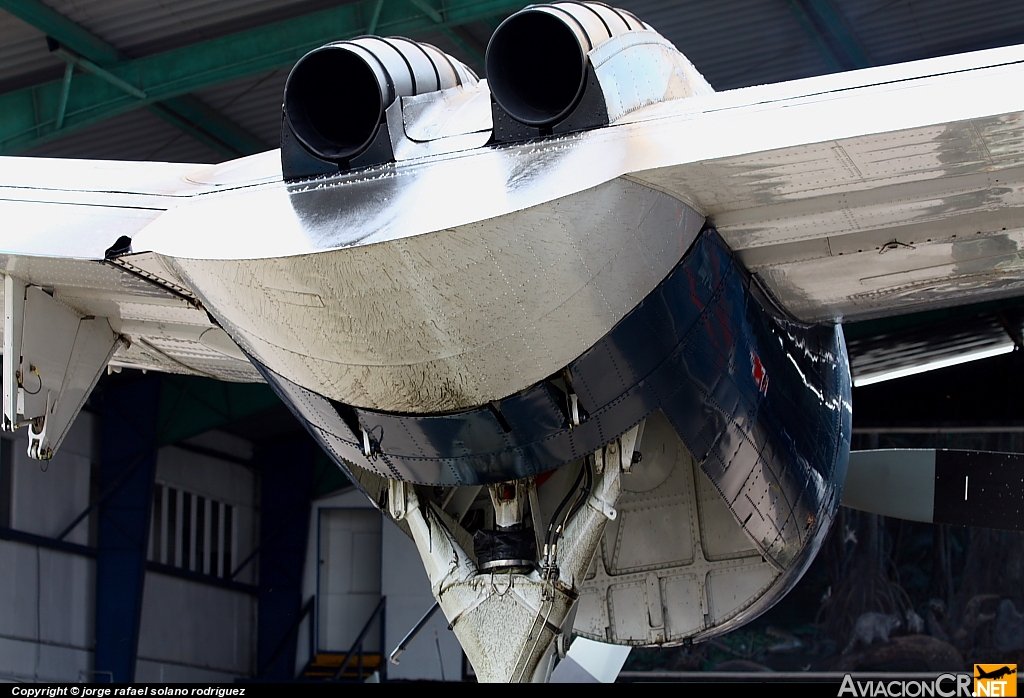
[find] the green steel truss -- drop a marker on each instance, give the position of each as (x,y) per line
(186,113)
(114,85)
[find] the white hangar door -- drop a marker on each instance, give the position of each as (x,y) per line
(349,585)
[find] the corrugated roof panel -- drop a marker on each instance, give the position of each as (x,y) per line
(144,28)
(24,58)
(136,28)
(893,32)
(137,135)
(734,43)
(253,103)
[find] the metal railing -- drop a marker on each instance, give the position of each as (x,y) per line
(357,651)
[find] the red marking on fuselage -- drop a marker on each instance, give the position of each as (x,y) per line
(759,373)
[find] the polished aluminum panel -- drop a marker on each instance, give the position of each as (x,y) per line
(456,318)
(640,68)
(446,113)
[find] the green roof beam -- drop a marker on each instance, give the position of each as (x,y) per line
(209,126)
(187,113)
(52,23)
(372,27)
(30,113)
(90,67)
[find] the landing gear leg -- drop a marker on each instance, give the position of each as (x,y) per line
(508,616)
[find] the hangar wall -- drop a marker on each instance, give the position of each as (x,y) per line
(434,652)
(46,627)
(205,522)
(190,630)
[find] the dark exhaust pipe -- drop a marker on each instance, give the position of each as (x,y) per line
(538,68)
(334,101)
(336,97)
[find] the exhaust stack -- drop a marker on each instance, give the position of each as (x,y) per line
(336,98)
(573,66)
(537,59)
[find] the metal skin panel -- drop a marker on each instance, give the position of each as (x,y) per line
(62,357)
(897,482)
(457,318)
(694,572)
(762,403)
(167,332)
(665,76)
(962,488)
(456,111)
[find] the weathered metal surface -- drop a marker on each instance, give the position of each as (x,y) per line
(457,318)
(762,403)
(507,621)
(675,564)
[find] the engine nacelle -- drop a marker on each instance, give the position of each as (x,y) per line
(460,380)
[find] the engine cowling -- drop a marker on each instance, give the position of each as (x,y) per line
(336,98)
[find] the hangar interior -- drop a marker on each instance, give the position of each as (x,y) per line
(195,518)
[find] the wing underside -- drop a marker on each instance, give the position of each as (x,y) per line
(165,328)
(865,194)
(876,225)
(60,217)
(895,218)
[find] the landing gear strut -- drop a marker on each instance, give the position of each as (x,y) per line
(514,596)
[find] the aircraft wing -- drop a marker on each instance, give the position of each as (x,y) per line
(854,195)
(467,289)
(872,193)
(59,219)
(869,193)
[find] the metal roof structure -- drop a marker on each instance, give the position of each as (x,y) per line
(201,80)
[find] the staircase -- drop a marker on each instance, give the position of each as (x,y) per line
(354,665)
(326,664)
